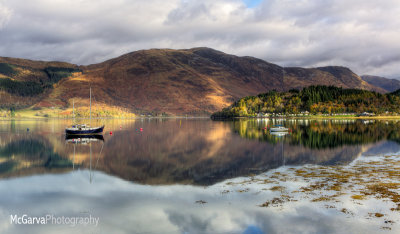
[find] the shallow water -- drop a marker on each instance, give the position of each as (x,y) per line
(200,176)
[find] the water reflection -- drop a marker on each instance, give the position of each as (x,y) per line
(322,134)
(81,176)
(197,151)
(125,207)
(27,153)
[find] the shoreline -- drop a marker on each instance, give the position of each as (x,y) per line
(392,117)
(106,118)
(380,117)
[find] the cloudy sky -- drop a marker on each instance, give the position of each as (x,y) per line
(361,34)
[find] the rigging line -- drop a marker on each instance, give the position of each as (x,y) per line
(95,102)
(90,86)
(102,119)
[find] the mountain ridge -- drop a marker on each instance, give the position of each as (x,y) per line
(195,81)
(389,85)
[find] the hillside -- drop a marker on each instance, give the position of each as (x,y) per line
(195,81)
(313,99)
(25,82)
(389,85)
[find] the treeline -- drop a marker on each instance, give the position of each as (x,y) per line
(21,88)
(31,88)
(99,111)
(315,100)
(55,74)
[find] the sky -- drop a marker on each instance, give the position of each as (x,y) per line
(363,35)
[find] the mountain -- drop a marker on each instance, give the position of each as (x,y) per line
(194,81)
(389,85)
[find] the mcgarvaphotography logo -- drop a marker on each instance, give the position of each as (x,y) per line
(51,219)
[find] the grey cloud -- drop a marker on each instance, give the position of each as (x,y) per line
(191,223)
(187,12)
(360,34)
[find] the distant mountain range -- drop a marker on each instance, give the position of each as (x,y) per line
(194,81)
(389,85)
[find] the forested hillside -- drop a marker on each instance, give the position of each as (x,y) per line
(314,99)
(22,85)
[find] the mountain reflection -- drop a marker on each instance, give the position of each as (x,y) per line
(199,152)
(30,153)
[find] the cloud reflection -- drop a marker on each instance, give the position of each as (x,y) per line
(125,207)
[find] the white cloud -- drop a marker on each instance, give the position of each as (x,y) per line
(5,14)
(360,34)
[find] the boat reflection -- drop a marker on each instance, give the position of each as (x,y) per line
(279,134)
(83,139)
(87,139)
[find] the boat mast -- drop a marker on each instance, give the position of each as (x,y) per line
(90,121)
(73,109)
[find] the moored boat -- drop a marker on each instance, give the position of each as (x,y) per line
(278,128)
(81,129)
(84,129)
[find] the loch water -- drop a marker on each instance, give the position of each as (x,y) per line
(194,175)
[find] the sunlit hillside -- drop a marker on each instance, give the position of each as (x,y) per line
(195,81)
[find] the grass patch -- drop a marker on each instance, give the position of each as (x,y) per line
(358,197)
(323,199)
(278,188)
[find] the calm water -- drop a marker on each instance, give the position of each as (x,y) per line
(201,176)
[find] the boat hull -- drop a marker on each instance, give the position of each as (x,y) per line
(84,131)
(279,129)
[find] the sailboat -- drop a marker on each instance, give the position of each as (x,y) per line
(83,129)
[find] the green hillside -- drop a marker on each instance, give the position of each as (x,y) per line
(24,83)
(315,100)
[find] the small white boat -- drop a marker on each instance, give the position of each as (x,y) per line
(278,128)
